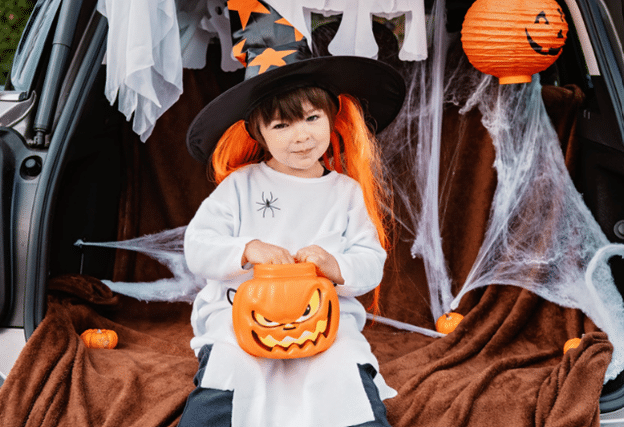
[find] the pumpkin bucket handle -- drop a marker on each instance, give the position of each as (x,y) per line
(230,298)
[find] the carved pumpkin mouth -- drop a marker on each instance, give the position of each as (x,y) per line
(553,51)
(322,329)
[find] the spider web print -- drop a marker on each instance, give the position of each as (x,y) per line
(268,204)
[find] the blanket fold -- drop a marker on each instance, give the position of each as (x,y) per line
(58,381)
(503,365)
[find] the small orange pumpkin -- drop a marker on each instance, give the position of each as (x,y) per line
(286,311)
(99,338)
(448,322)
(571,343)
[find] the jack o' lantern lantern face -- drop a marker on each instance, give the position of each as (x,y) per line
(311,327)
(551,33)
(287,314)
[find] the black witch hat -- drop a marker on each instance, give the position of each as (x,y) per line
(277,59)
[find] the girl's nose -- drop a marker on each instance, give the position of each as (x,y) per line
(302,132)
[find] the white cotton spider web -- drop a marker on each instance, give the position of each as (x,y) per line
(540,234)
(417,187)
(166,247)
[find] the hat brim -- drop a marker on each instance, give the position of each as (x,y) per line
(379,88)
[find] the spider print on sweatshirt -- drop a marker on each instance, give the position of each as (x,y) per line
(268,204)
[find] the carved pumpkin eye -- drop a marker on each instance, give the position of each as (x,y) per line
(312,308)
(263,321)
(540,16)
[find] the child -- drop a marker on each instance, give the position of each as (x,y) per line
(277,203)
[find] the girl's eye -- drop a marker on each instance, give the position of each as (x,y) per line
(280,125)
(312,118)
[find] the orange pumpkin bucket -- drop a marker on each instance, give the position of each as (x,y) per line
(513,39)
(285,312)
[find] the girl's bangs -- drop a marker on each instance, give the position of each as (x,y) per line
(289,106)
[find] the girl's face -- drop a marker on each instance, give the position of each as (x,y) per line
(297,146)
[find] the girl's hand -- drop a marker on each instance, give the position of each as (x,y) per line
(324,261)
(258,252)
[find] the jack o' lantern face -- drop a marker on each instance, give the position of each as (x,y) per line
(285,317)
(310,328)
(549,32)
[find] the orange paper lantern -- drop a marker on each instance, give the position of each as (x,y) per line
(513,39)
(285,312)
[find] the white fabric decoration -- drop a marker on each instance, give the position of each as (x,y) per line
(194,38)
(219,22)
(144,62)
(200,21)
(355,34)
(149,41)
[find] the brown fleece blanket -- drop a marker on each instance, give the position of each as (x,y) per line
(502,366)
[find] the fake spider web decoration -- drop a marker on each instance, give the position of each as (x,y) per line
(540,235)
(166,247)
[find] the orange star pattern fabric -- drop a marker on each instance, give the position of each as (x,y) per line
(270,57)
(283,21)
(238,53)
(245,8)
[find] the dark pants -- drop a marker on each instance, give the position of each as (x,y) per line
(209,407)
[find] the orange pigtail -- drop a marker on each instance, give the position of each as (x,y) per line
(363,163)
(234,150)
(335,143)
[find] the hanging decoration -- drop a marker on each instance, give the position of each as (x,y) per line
(172,34)
(355,33)
(513,39)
